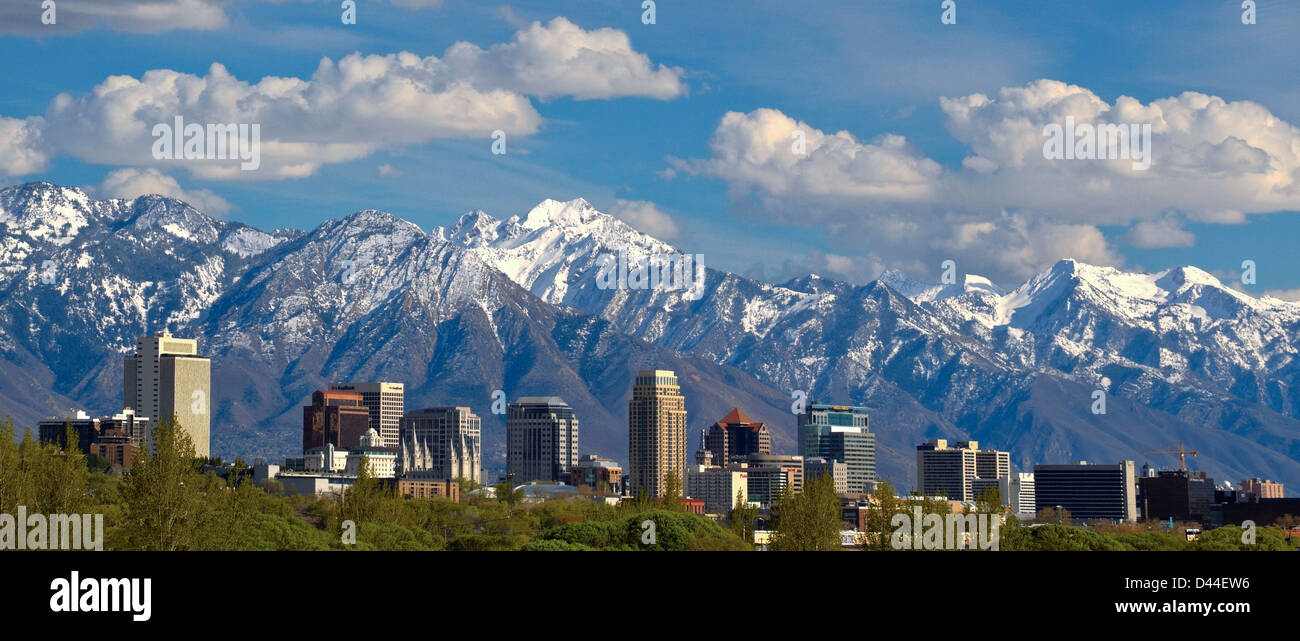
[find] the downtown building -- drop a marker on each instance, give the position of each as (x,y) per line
(603,476)
(840,433)
(335,418)
(166,378)
(769,474)
(656,432)
(960,471)
(541,440)
(1019,494)
(1088,492)
(735,436)
(441,443)
(386,403)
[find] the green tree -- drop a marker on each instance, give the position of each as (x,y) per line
(809,520)
(672,498)
(880,516)
(164,495)
(743,517)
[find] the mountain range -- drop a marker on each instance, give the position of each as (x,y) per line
(517,305)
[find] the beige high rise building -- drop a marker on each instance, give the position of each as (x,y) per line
(656,432)
(166,377)
(387,405)
(951,470)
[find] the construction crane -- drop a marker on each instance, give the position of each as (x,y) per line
(1181,452)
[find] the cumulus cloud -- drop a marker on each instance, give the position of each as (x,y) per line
(20,146)
(646,217)
(562,59)
(1010,210)
(349,109)
(132,183)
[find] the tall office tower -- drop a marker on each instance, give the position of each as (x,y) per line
(656,432)
(1088,491)
(840,433)
(951,471)
(166,377)
(441,443)
(1018,492)
(736,435)
(541,439)
(335,418)
(387,405)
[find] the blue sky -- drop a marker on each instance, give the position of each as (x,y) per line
(872,69)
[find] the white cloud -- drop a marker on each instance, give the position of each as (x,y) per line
(20,146)
(132,183)
(1165,232)
(134,16)
(345,110)
(562,59)
(1007,209)
(646,217)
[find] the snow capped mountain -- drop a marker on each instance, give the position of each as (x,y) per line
(516,305)
(553,246)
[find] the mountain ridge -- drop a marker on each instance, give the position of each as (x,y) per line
(486,304)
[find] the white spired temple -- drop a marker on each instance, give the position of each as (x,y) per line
(442,443)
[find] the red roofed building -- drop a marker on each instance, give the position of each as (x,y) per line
(737,435)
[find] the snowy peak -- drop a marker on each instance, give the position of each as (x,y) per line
(553,213)
(46,212)
(919,292)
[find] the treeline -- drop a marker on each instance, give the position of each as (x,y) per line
(166,501)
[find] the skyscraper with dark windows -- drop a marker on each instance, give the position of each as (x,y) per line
(541,439)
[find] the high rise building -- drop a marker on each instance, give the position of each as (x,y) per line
(541,439)
(1105,492)
(950,470)
(441,443)
(737,435)
(1018,492)
(1183,495)
(656,432)
(167,378)
(386,403)
(840,433)
(334,418)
